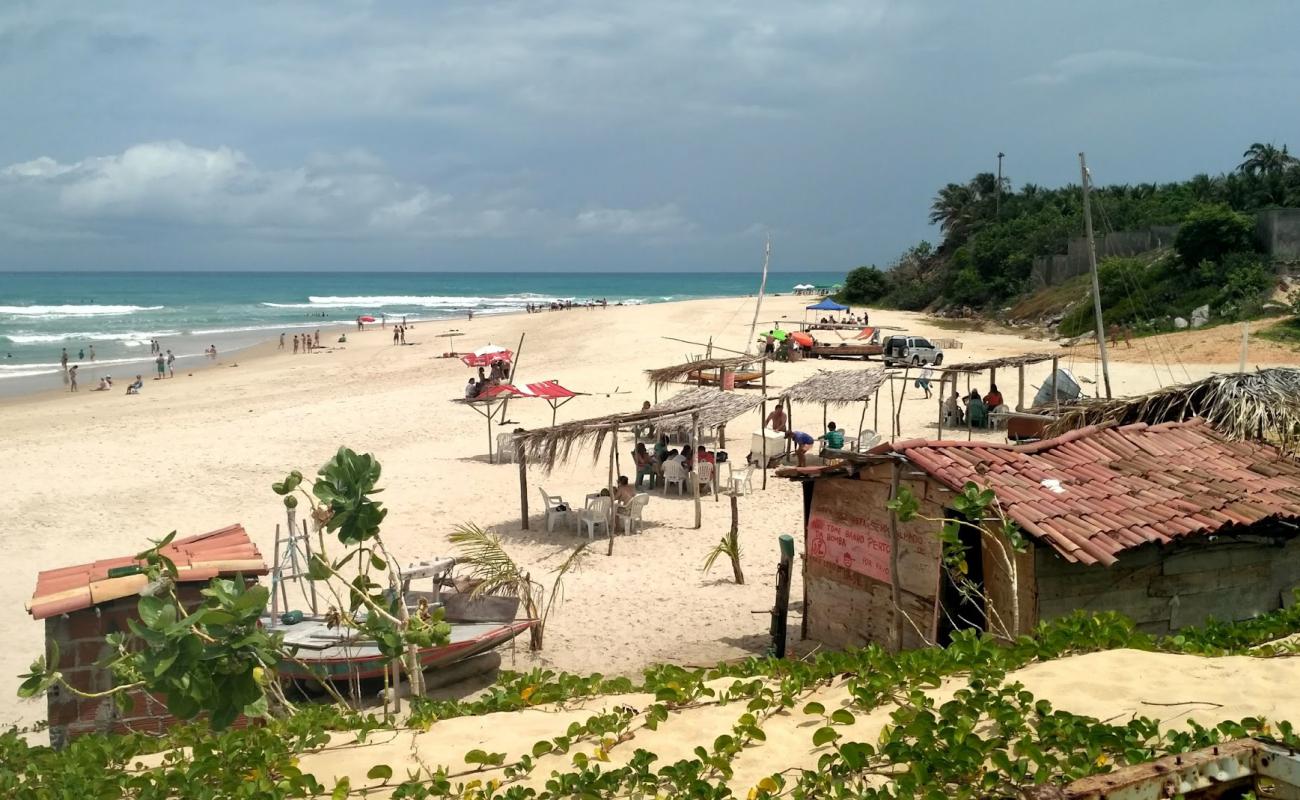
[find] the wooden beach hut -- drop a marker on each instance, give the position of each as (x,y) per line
(1021,423)
(743,371)
(81,605)
(1168,524)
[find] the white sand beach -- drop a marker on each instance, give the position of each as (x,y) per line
(96,474)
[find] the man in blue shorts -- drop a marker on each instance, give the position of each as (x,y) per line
(802,443)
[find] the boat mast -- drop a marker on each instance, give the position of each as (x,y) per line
(762,287)
(1092,265)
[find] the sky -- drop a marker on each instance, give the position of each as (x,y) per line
(593,134)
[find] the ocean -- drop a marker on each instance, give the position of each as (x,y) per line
(116,314)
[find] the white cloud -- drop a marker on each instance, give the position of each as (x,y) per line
(179,184)
(652,222)
(1103,62)
(352,194)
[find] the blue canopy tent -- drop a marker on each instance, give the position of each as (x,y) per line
(826,304)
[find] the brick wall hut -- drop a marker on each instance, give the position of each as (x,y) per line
(1169,524)
(82,604)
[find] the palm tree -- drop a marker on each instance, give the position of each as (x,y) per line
(951,210)
(1265,159)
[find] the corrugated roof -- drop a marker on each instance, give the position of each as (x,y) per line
(1121,487)
(197,558)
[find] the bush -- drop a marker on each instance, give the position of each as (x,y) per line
(1211,232)
(864,285)
(1245,278)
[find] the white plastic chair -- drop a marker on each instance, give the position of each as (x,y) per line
(674,472)
(505,448)
(704,475)
(555,508)
(631,513)
(595,515)
(742,482)
(867,440)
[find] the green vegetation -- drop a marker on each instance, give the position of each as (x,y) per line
(990,240)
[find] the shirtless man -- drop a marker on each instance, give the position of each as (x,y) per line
(776,420)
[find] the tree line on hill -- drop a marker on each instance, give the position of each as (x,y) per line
(990,239)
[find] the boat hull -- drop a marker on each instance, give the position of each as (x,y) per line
(343,661)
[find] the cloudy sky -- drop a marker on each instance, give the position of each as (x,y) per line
(592,134)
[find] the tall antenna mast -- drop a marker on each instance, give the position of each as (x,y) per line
(1092,264)
(762,287)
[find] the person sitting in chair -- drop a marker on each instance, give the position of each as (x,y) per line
(977,410)
(135,388)
(645,465)
(624,492)
(994,398)
(833,437)
(952,413)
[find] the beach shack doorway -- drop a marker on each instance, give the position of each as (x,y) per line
(962,602)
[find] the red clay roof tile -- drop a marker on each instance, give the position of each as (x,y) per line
(1123,486)
(197,558)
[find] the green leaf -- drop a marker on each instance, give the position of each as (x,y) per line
(341,789)
(814,708)
(542,748)
(824,735)
(380,772)
(476,757)
(378,563)
(150,610)
(842,716)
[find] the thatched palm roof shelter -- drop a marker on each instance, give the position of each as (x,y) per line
(996,363)
(708,407)
(1260,405)
(683,371)
(840,387)
(695,410)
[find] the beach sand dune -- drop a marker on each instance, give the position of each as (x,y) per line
(95,475)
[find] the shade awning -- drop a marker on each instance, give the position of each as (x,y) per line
(827,304)
(484,356)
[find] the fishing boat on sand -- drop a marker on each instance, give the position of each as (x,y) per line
(322,650)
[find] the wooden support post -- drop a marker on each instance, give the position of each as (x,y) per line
(789,425)
(824,417)
(694,476)
(862,421)
(892,405)
(783,571)
(1020,403)
(523,481)
(943,379)
(514,365)
(736,571)
(969,428)
(613,513)
(762,424)
(875,403)
(898,414)
(993,378)
(897,633)
(1056,400)
(491,459)
(722,436)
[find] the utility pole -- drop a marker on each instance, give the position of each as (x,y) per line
(1092,265)
(998,192)
(762,287)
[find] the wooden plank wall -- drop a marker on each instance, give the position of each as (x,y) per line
(998,584)
(849,609)
(1165,589)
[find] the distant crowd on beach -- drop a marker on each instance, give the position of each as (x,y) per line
(564,305)
(164,363)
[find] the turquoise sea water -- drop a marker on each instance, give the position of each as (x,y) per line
(118,313)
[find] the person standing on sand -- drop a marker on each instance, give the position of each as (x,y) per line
(281,341)
(318,337)
(295,344)
(171,365)
(63,359)
(162,366)
(92,352)
(396,334)
(776,420)
(403,333)
(72,377)
(470,313)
